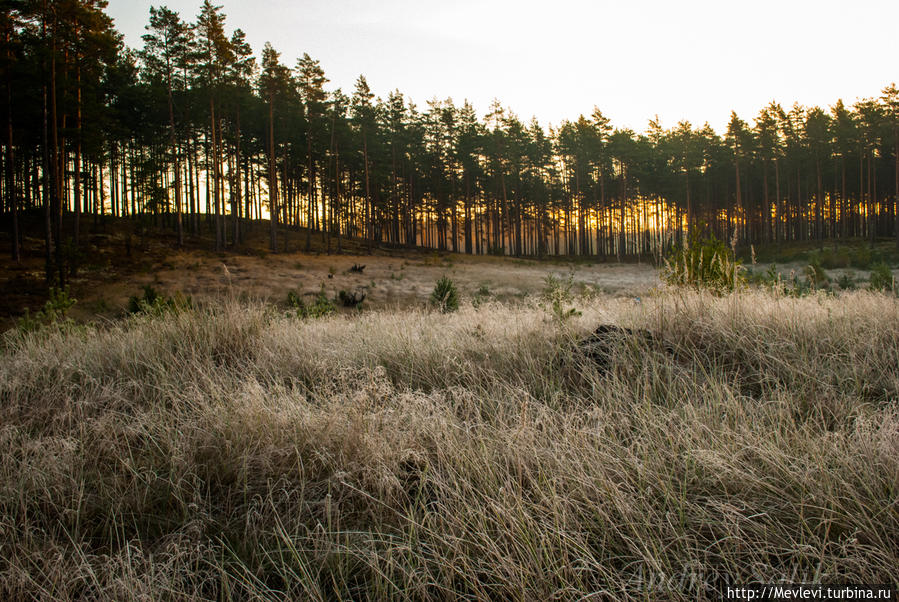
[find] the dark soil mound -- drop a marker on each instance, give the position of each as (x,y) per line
(607,340)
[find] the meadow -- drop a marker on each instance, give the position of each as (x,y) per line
(268,333)
(232,450)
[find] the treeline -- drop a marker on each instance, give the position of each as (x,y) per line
(194,132)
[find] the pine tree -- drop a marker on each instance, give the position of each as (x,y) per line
(214,55)
(311,81)
(166,56)
(364,117)
(10,24)
(890,100)
(739,139)
(817,134)
(273,84)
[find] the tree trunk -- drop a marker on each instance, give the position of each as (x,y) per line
(175,163)
(272,181)
(235,188)
(819,202)
(56,187)
(844,206)
(896,184)
(46,172)
(12,197)
(216,184)
(369,209)
(309,209)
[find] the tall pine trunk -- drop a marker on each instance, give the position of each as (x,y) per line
(896,184)
(175,163)
(369,209)
(235,192)
(272,181)
(216,183)
(12,197)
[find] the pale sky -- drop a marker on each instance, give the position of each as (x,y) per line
(556,59)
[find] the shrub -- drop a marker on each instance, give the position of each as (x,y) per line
(136,304)
(351,299)
(557,292)
(861,258)
(445,296)
(480,296)
(815,274)
(557,288)
(881,277)
(770,279)
(321,306)
(703,262)
(847,281)
(832,258)
(53,313)
(153,302)
(294,300)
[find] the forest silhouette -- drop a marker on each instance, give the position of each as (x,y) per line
(192,131)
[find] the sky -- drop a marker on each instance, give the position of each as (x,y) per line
(558,59)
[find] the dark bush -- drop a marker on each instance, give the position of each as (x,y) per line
(445,296)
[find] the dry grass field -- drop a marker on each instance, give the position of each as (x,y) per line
(233,452)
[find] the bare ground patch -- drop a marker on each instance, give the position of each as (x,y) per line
(387,281)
